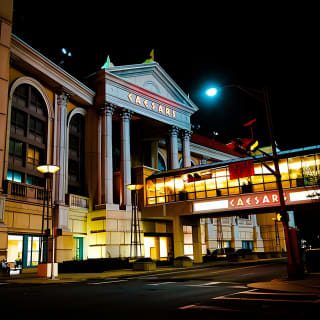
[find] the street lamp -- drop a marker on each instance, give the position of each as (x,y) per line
(48,170)
(135,224)
(294,268)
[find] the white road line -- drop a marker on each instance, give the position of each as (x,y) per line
(106,282)
(160,283)
(232,294)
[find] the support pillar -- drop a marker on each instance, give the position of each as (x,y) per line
(196,241)
(125,165)
(174,156)
(154,154)
(99,171)
(257,240)
(178,237)
(236,241)
(106,155)
(61,210)
(186,148)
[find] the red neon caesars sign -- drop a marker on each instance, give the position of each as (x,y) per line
(255,200)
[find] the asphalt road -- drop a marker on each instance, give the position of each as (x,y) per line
(207,292)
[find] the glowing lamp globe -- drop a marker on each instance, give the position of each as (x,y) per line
(48,168)
(211,92)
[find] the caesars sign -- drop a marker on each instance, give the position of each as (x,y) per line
(258,200)
(164,110)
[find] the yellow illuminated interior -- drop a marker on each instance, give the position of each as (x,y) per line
(295,172)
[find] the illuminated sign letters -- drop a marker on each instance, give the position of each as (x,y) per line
(166,111)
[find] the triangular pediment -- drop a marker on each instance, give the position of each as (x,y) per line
(153,78)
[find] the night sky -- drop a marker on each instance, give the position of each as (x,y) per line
(198,45)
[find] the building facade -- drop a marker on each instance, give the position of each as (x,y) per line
(125,124)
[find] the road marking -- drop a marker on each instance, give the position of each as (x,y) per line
(160,283)
(2,283)
(106,282)
(193,306)
(257,298)
(232,294)
(187,307)
(233,269)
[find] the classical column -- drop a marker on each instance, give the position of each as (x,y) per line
(186,148)
(99,171)
(174,157)
(61,143)
(108,182)
(61,209)
(125,165)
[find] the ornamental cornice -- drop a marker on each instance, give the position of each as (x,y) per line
(20,51)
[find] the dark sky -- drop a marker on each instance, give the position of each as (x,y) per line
(197,44)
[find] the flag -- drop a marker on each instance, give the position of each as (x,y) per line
(106,64)
(241,169)
(151,57)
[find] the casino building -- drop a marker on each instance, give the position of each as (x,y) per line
(126,124)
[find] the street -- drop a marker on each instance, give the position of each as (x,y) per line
(203,292)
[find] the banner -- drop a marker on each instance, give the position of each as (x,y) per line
(241,169)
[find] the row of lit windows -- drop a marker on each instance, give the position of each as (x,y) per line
(295,172)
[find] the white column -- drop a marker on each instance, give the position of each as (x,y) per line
(174,160)
(186,148)
(61,152)
(61,210)
(108,183)
(125,165)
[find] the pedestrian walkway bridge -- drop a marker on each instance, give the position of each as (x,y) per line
(208,188)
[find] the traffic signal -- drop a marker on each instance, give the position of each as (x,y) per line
(47,232)
(245,145)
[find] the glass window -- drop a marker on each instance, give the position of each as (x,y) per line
(28,124)
(33,251)
(160,189)
(161,163)
(14,176)
(151,188)
(295,172)
(200,189)
(34,155)
(169,189)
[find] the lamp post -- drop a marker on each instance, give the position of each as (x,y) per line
(135,224)
(294,267)
(48,170)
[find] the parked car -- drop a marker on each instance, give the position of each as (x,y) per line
(243,251)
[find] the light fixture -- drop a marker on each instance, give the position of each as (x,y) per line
(134,186)
(48,168)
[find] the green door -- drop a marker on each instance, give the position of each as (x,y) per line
(30,252)
(78,244)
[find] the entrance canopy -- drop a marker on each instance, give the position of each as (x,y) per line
(208,189)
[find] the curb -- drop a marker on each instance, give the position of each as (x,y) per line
(129,273)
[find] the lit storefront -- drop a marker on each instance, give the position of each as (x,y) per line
(212,181)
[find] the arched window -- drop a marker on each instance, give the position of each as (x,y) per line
(28,136)
(181,163)
(76,172)
(161,162)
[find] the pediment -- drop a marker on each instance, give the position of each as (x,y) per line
(153,78)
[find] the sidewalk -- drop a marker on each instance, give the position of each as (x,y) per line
(310,284)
